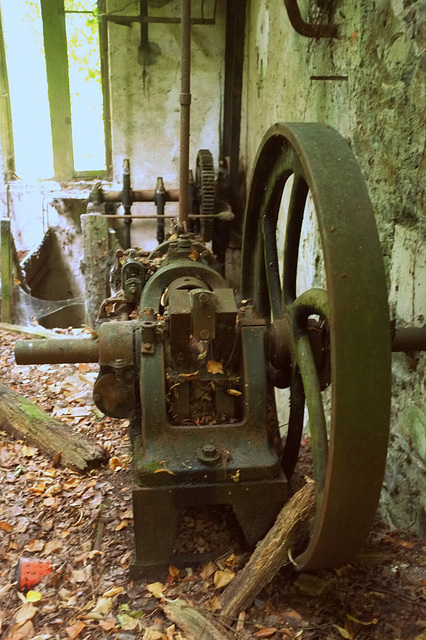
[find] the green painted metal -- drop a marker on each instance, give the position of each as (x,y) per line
(349,471)
(6,270)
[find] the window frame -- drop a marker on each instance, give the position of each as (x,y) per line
(56,55)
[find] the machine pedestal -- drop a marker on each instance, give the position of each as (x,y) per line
(158,510)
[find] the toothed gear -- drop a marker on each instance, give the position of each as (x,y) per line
(205,192)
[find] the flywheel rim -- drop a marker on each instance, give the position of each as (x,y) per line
(356,310)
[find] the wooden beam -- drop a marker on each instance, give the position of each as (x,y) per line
(6,270)
(6,134)
(55,48)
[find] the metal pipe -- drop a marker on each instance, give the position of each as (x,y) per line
(409,339)
(185,107)
(305,28)
(141,195)
(126,20)
(56,351)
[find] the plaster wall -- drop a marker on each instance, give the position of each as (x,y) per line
(375,97)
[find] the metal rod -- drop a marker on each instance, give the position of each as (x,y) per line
(305,28)
(56,351)
(409,339)
(141,195)
(185,107)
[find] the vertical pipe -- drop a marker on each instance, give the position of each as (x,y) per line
(6,271)
(185,102)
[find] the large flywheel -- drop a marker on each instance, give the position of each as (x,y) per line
(345,381)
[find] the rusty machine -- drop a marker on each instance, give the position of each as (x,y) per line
(194,364)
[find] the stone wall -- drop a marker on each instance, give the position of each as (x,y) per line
(375,96)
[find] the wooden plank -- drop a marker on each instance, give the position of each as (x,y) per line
(6,270)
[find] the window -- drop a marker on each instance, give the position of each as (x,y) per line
(55,81)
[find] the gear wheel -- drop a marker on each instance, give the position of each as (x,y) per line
(205,192)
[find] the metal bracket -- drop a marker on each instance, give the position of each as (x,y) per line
(305,28)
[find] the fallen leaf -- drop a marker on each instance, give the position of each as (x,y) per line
(21,632)
(38,488)
(6,526)
(28,452)
(215,604)
(107,625)
(101,609)
(241,620)
(343,632)
(33,596)
(121,525)
(214,367)
(233,392)
(152,634)
(170,632)
(80,575)
(293,618)
(310,584)
(24,613)
(208,570)
(74,630)
(164,470)
(114,591)
(194,374)
(156,588)
(72,483)
(353,619)
(34,545)
(173,571)
(126,622)
(266,632)
(114,464)
(194,255)
(56,459)
(52,546)
(222,578)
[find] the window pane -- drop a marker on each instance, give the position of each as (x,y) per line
(23,34)
(85,88)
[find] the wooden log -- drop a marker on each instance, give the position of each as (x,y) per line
(24,420)
(95,264)
(291,527)
(193,623)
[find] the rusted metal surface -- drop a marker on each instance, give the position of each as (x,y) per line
(56,351)
(350,467)
(305,28)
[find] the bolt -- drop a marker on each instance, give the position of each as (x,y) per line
(96,397)
(204,334)
(147,345)
(203,297)
(209,450)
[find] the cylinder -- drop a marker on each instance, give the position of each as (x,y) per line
(409,339)
(56,351)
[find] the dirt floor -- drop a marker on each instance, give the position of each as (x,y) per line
(82,525)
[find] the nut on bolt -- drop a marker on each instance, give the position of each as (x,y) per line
(208,454)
